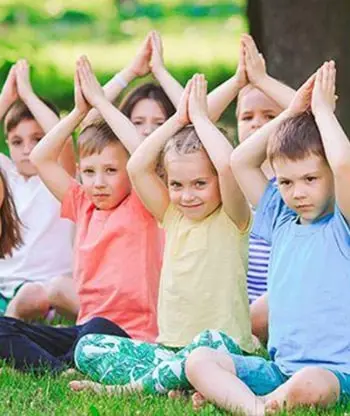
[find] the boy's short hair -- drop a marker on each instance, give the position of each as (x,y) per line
(19,112)
(296,138)
(95,137)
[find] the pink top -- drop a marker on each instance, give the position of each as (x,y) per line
(117,262)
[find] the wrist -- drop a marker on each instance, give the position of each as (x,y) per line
(261,81)
(200,118)
(128,74)
(158,71)
(78,114)
(321,111)
(28,97)
(6,102)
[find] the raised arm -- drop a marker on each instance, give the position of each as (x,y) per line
(9,92)
(138,67)
(46,117)
(143,163)
(219,150)
(119,123)
(247,158)
(335,142)
(257,75)
(224,94)
(170,85)
(46,153)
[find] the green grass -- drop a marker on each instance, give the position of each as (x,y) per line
(26,394)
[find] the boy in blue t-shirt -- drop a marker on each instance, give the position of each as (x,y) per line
(307,222)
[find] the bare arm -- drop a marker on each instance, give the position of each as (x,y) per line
(219,151)
(335,142)
(139,67)
(224,94)
(46,153)
(247,158)
(42,114)
(170,85)
(143,163)
(119,123)
(9,92)
(257,75)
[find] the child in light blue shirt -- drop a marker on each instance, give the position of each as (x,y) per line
(306,220)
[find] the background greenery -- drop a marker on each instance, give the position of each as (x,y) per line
(51,34)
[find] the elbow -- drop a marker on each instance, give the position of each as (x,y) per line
(236,160)
(131,167)
(34,159)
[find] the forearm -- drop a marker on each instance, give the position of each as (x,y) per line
(115,86)
(41,112)
(4,106)
(252,152)
(221,97)
(146,156)
(215,143)
(170,85)
(121,125)
(112,90)
(51,145)
(335,142)
(276,90)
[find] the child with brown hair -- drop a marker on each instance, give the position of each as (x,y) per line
(307,221)
(117,245)
(27,277)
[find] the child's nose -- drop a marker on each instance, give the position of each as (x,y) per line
(99,180)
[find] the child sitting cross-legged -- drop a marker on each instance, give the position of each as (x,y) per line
(307,221)
(203,279)
(30,277)
(117,245)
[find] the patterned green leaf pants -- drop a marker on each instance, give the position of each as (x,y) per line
(154,368)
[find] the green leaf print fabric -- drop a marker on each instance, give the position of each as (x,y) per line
(122,361)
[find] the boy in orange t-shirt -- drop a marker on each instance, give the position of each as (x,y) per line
(118,246)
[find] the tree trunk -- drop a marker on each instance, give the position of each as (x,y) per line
(296,36)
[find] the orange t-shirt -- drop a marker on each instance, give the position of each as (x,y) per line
(117,262)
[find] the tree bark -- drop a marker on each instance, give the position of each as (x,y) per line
(296,36)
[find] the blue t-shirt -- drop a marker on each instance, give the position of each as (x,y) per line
(308,286)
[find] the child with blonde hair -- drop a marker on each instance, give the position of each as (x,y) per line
(203,279)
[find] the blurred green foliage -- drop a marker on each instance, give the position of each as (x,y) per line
(51,34)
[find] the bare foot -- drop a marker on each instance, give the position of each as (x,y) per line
(86,385)
(198,400)
(176,394)
(70,372)
(272,407)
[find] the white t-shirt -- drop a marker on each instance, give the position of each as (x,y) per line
(48,239)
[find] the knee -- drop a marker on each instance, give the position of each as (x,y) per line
(32,295)
(313,386)
(197,361)
(54,290)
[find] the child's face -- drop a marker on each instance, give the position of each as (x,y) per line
(255,110)
(306,186)
(21,140)
(104,176)
(192,183)
(147,115)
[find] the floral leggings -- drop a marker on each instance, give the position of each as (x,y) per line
(154,368)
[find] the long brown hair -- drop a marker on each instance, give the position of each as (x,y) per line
(10,233)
